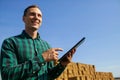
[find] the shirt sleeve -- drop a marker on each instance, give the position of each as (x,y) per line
(11,70)
(54,72)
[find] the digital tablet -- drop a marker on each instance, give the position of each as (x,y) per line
(63,58)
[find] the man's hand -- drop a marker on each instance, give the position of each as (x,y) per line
(51,54)
(67,59)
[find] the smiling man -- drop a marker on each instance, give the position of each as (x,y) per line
(27,56)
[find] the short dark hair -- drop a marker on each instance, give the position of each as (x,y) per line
(31,6)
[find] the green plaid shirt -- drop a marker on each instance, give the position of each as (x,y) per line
(21,59)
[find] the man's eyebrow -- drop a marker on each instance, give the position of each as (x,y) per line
(35,13)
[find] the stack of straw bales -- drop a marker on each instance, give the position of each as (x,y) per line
(79,71)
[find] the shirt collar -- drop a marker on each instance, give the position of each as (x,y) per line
(25,35)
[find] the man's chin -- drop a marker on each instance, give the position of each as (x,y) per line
(35,27)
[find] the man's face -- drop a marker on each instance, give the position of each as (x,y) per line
(33,19)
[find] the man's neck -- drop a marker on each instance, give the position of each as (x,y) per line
(31,33)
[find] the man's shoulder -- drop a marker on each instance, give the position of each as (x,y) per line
(43,40)
(12,38)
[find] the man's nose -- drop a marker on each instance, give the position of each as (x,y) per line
(36,16)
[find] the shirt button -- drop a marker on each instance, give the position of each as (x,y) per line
(36,50)
(33,72)
(57,73)
(42,64)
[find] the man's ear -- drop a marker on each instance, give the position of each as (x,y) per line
(23,18)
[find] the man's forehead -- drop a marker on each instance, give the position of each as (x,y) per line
(36,10)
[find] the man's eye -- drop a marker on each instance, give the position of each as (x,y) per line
(39,15)
(32,14)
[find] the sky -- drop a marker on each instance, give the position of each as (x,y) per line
(65,22)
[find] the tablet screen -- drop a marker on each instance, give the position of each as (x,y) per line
(63,58)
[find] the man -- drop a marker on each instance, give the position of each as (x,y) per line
(27,56)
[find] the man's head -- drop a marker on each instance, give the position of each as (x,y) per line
(32,17)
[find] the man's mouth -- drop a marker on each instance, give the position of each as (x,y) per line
(35,22)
